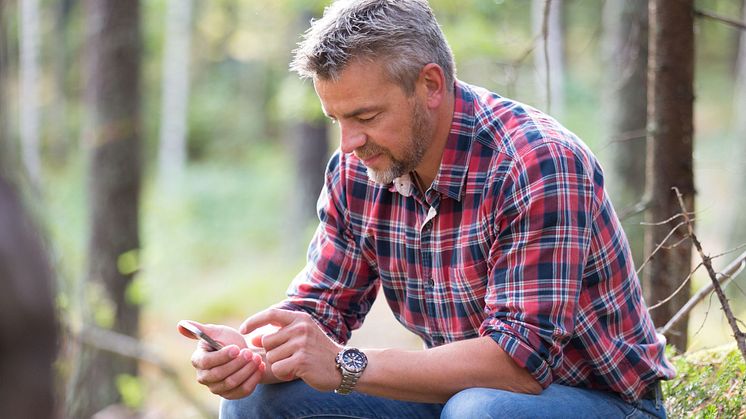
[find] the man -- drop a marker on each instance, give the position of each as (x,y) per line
(487,225)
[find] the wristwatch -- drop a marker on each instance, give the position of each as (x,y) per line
(351,362)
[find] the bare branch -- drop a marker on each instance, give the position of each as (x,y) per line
(714,16)
(681,287)
(633,210)
(706,260)
(545,34)
(130,347)
(661,244)
(675,245)
(623,137)
(724,278)
(660,223)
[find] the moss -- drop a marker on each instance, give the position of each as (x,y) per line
(710,384)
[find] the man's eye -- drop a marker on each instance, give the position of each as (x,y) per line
(367,118)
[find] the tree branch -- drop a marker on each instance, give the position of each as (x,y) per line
(714,16)
(730,272)
(635,209)
(706,260)
(130,347)
(660,245)
(545,34)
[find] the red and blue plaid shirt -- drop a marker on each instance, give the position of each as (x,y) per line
(515,239)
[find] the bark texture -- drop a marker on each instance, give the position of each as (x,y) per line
(669,160)
(625,66)
(28,327)
(112,98)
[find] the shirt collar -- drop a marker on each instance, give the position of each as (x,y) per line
(455,161)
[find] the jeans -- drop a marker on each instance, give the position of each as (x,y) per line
(295,399)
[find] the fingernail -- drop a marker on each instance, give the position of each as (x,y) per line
(233,351)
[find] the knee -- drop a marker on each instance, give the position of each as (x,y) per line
(467,403)
(233,409)
(257,405)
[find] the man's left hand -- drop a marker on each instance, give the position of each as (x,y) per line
(298,349)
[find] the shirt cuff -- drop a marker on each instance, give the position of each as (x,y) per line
(330,331)
(523,355)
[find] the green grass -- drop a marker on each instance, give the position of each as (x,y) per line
(710,384)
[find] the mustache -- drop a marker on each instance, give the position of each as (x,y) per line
(369,150)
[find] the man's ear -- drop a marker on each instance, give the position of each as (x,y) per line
(433,81)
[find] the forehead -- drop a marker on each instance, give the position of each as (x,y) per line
(361,83)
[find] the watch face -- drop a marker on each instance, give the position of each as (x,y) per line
(353,360)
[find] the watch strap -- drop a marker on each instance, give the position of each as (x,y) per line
(349,379)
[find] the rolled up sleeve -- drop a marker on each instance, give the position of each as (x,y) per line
(543,226)
(337,286)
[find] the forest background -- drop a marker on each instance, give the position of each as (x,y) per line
(233,148)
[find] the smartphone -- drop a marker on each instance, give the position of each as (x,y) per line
(198,334)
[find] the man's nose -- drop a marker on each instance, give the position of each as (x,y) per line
(351,139)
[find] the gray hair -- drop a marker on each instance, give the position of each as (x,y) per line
(404,33)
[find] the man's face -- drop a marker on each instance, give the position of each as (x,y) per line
(386,129)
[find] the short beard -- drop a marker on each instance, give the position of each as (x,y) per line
(418,144)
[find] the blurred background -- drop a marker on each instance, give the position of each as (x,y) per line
(218,167)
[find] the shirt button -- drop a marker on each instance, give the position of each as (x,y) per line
(430,283)
(428,226)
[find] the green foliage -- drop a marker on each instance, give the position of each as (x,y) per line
(129,262)
(709,384)
(101,307)
(136,293)
(215,247)
(131,389)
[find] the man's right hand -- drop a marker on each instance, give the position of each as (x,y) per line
(232,372)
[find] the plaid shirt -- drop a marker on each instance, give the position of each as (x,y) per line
(516,239)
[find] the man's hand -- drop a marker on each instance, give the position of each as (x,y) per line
(298,349)
(232,372)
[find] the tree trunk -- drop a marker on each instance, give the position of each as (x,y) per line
(310,152)
(28,328)
(28,89)
(625,50)
(549,79)
(7,151)
(669,160)
(112,98)
(59,143)
(172,155)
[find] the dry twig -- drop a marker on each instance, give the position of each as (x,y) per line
(732,22)
(130,347)
(706,260)
(730,272)
(545,34)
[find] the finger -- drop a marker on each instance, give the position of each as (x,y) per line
(218,374)
(278,353)
(275,339)
(236,379)
(284,369)
(303,328)
(247,387)
(274,316)
(205,360)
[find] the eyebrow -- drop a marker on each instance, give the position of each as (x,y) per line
(358,111)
